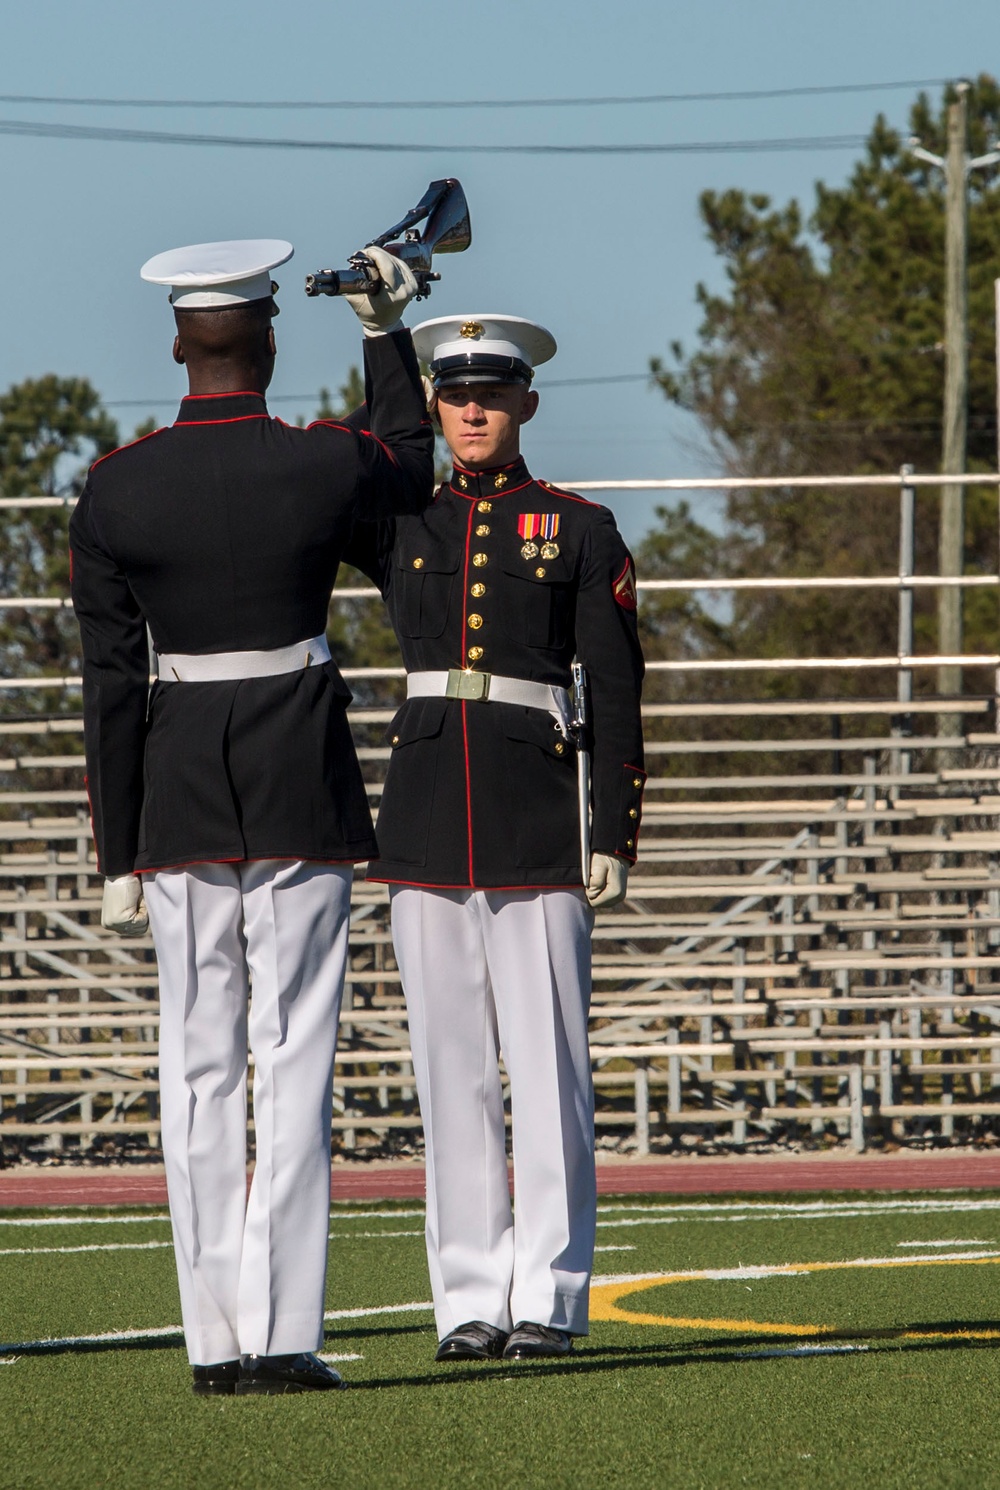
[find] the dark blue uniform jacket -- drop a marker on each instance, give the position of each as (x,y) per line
(224,533)
(481,794)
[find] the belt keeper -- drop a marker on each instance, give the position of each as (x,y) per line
(464,683)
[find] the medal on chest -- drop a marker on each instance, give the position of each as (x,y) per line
(545,525)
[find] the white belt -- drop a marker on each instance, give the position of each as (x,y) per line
(232,667)
(489,687)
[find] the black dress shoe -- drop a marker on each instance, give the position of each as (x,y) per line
(529,1341)
(474,1341)
(274,1375)
(218,1380)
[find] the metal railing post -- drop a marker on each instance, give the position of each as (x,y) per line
(907,495)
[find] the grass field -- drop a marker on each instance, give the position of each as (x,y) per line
(830,1342)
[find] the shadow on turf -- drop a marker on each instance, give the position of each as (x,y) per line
(733,1350)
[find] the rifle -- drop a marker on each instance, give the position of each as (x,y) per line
(578,730)
(448,230)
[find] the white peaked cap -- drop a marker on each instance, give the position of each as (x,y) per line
(210,276)
(483,348)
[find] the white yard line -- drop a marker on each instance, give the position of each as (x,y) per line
(174,1331)
(84,1220)
(79,1220)
(93,1247)
(796,1350)
(384,1309)
(324,1355)
(954,1241)
(112,1337)
(795,1208)
(347,1236)
(784,1270)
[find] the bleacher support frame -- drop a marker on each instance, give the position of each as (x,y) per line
(806,956)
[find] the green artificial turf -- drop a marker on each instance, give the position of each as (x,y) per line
(889,1394)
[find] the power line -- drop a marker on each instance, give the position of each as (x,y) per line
(41,130)
(465,103)
(302,398)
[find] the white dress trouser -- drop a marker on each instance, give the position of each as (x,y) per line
(252,1270)
(485,971)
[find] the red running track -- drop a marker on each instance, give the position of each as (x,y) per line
(75,1185)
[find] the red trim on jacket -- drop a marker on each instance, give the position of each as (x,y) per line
(119,448)
(489,469)
(494,496)
(233,393)
(249,859)
(461,663)
(384,446)
(569,495)
(379,879)
(468,787)
(205,423)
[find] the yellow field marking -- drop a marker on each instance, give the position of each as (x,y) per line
(605,1297)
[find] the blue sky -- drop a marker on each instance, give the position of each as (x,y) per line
(605,251)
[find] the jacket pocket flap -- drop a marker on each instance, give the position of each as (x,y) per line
(418,719)
(553,571)
(534,727)
(415,557)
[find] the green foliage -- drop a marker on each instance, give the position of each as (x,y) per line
(823,354)
(51,429)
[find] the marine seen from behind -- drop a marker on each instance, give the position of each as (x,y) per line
(229,796)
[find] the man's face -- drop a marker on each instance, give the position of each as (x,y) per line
(482,421)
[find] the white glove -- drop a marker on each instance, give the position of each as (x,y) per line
(123,908)
(383,312)
(430,394)
(608,883)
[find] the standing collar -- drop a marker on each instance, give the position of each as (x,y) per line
(495,482)
(219,408)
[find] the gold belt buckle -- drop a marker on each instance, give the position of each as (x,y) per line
(463,682)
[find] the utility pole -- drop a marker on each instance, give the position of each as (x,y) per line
(957,168)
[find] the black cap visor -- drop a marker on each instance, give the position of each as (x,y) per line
(479,367)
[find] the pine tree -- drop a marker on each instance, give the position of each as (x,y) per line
(824,355)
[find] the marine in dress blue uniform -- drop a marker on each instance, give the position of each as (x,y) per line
(230,793)
(493,591)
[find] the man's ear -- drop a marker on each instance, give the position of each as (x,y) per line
(178,352)
(530,406)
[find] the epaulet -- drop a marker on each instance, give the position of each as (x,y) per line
(558,491)
(129,446)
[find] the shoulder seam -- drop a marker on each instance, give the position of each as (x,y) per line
(129,445)
(558,491)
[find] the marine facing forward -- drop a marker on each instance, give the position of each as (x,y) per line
(493,591)
(233,788)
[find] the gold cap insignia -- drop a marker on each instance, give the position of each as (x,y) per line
(472,329)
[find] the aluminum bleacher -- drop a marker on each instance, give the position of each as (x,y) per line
(810,950)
